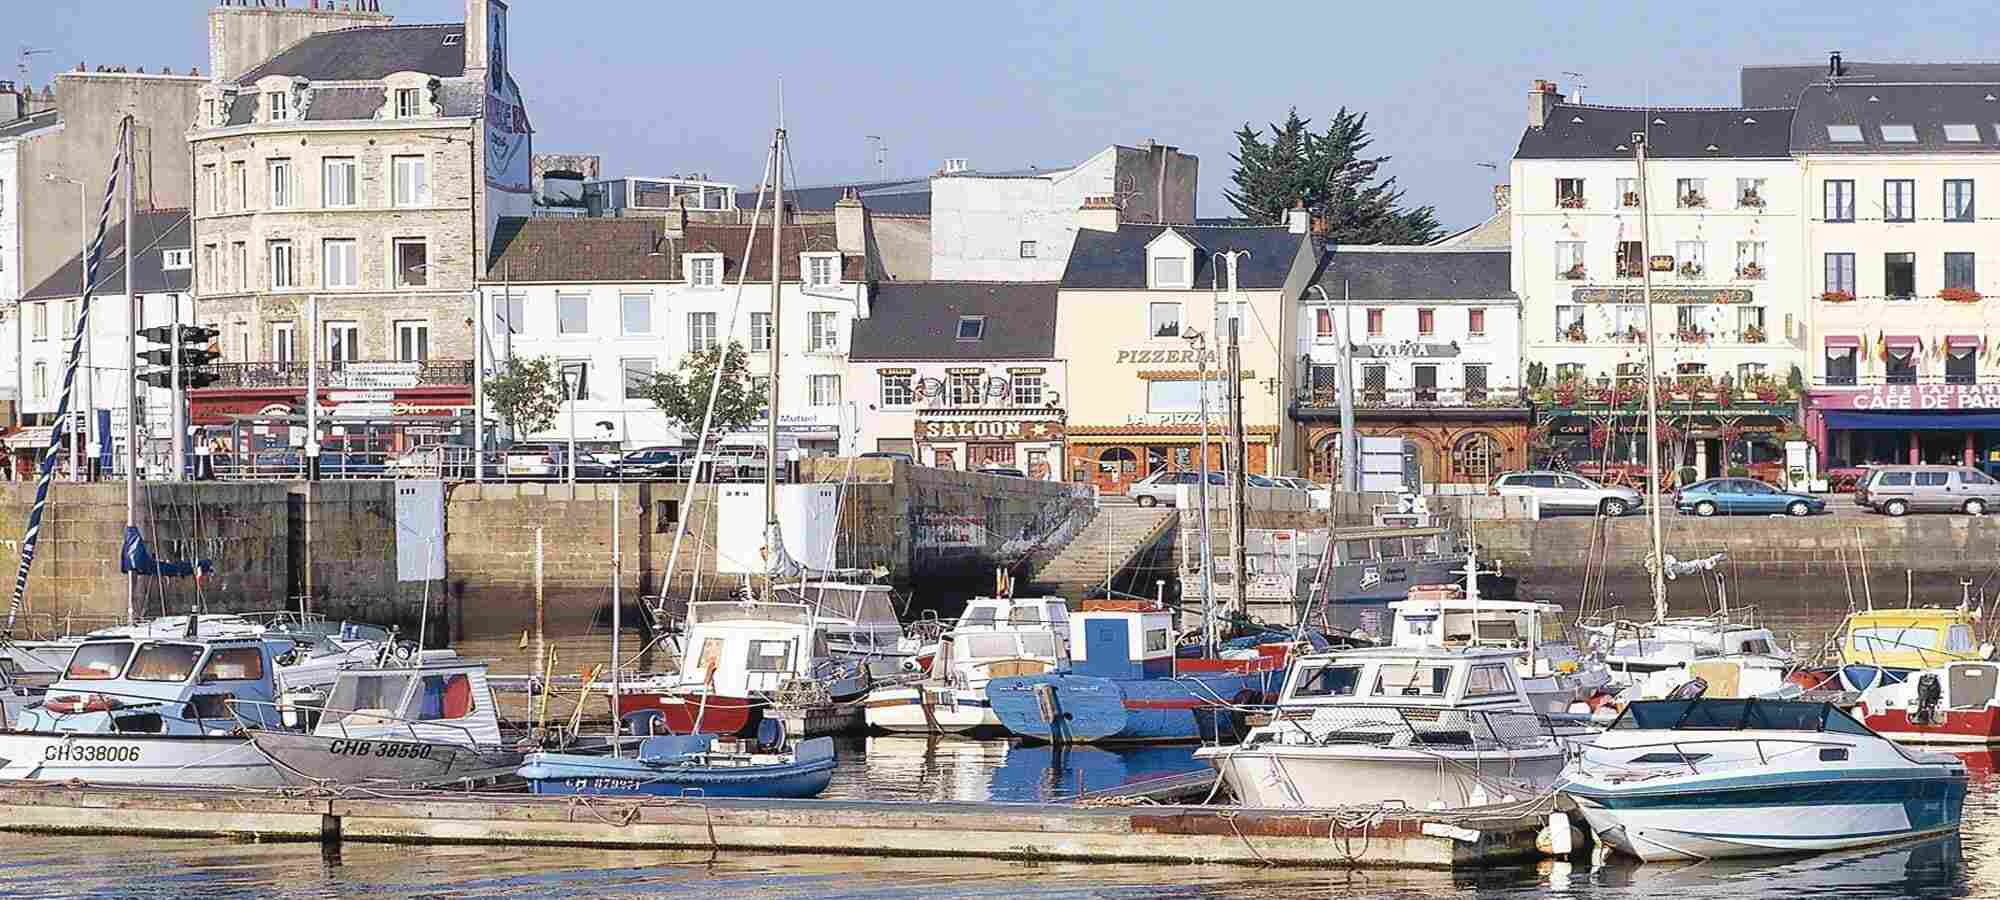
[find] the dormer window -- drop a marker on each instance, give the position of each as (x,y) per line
(409,103)
(971,328)
(1170,271)
(822,269)
(703,269)
(279,103)
(176,259)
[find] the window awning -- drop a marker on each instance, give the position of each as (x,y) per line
(1902,340)
(1842,340)
(1961,340)
(1957,420)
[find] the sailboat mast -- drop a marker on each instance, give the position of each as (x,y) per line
(134,309)
(1659,567)
(777,330)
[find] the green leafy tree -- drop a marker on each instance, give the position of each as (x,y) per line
(526,394)
(683,395)
(1329,173)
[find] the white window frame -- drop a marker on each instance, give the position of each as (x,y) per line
(823,330)
(351,334)
(1182,277)
(410,176)
(899,391)
(177,259)
(348,250)
(625,369)
(41,381)
(821,270)
(760,332)
(396,246)
(284,342)
(824,390)
(242,263)
(701,331)
(409,331)
(340,182)
(1029,249)
(1479,313)
(239,174)
(414,108)
(1152,320)
(282,264)
(563,302)
(625,301)
(279,182)
(963,389)
(278,106)
(1027,389)
(40,321)
(703,270)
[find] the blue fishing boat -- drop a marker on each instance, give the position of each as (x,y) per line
(688,764)
(1125,683)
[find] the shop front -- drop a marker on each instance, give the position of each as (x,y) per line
(972,439)
(1454,447)
(1112,457)
(1953,424)
(1696,442)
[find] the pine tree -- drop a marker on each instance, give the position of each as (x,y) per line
(1330,175)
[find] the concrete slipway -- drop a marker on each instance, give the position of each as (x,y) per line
(1091,833)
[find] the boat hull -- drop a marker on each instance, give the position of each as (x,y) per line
(1959,726)
(1282,777)
(1763,815)
(1070,708)
(694,712)
(229,760)
(915,709)
(311,759)
(562,774)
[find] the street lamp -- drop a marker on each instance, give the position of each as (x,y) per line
(77,440)
(571,378)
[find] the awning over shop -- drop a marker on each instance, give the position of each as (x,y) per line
(30,438)
(1902,340)
(1961,340)
(1914,421)
(1842,340)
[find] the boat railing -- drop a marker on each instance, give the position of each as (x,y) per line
(1419,727)
(1682,755)
(369,718)
(128,704)
(727,611)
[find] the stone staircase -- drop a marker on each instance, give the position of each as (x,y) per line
(1119,538)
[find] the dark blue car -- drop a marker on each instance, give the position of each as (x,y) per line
(1731,496)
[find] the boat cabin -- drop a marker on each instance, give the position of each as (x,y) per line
(735,649)
(1744,714)
(1013,612)
(145,686)
(1405,676)
(1367,546)
(857,619)
(1910,638)
(446,702)
(1675,643)
(1122,639)
(998,637)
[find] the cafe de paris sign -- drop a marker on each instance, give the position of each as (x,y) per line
(1912,396)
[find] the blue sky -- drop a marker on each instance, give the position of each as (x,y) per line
(659,87)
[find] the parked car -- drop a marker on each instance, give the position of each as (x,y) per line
(653,462)
(1002,471)
(890,454)
(550,462)
(1159,487)
(1732,496)
(1897,490)
(1567,492)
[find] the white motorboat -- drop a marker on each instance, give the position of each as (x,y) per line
(1427,728)
(1554,673)
(1736,660)
(1707,778)
(994,638)
(431,723)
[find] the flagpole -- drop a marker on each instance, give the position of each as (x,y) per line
(131,380)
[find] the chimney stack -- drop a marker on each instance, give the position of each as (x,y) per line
(1503,197)
(1834,67)
(240,36)
(1542,98)
(12,104)
(850,224)
(1297,219)
(1099,213)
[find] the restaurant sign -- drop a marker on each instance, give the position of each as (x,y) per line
(1406,350)
(1912,396)
(1661,296)
(988,429)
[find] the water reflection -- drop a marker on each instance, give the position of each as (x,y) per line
(941,769)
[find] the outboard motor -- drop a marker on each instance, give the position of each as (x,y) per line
(1692,690)
(1930,694)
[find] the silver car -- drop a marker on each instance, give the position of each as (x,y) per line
(1897,490)
(1558,492)
(1161,487)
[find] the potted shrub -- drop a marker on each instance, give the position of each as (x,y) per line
(1753,334)
(1631,199)
(1690,269)
(1570,201)
(1574,332)
(1750,271)
(1693,200)
(1959,295)
(1574,273)
(1837,296)
(1691,336)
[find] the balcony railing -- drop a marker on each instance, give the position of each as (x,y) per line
(365,375)
(1328,397)
(1902,380)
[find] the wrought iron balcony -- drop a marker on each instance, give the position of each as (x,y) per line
(1328,397)
(1902,379)
(360,374)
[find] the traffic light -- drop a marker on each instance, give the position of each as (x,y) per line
(190,353)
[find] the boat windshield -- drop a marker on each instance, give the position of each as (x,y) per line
(233,664)
(98,661)
(1328,681)
(1410,680)
(367,697)
(1890,639)
(1038,644)
(1733,715)
(990,646)
(165,662)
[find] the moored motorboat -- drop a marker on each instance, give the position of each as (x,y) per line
(1955,703)
(995,637)
(1426,728)
(698,765)
(1707,778)
(1554,672)
(1885,646)
(426,724)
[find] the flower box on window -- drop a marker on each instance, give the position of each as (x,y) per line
(1691,336)
(1630,200)
(1751,199)
(1690,269)
(1574,333)
(1633,334)
(1750,271)
(1959,295)
(1753,334)
(1573,273)
(1694,200)
(1632,270)
(1838,296)
(1570,201)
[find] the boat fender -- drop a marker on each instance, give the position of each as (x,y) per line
(1929,694)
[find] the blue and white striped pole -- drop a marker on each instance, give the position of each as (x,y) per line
(49,457)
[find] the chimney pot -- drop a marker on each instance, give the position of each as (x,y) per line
(1542,98)
(1834,67)
(1297,219)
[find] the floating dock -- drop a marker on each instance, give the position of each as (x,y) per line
(1126,833)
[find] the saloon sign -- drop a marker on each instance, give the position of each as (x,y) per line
(988,429)
(1912,396)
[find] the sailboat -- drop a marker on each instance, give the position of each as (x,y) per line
(805,631)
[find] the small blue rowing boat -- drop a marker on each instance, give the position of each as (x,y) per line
(695,764)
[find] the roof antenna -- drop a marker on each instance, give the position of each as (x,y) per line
(1576,98)
(1834,67)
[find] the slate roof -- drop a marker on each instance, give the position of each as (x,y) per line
(1414,274)
(369,53)
(1116,260)
(919,320)
(1598,132)
(562,251)
(155,231)
(902,195)
(344,103)
(1782,85)
(1925,107)
(30,122)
